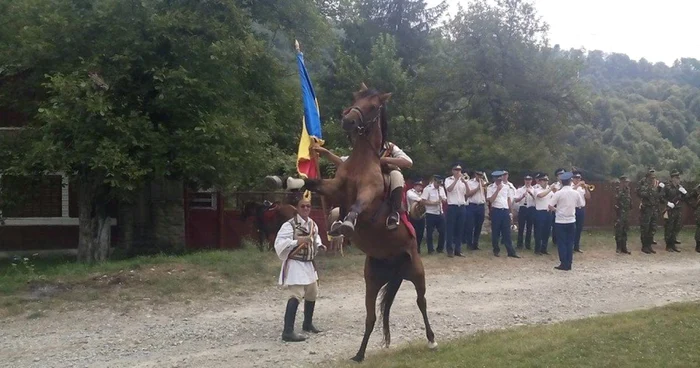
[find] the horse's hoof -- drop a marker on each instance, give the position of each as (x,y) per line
(335,229)
(358,358)
(432,345)
(273,182)
(347,228)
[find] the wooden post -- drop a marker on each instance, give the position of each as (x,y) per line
(220,213)
(324,208)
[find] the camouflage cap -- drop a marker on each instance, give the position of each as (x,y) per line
(675,173)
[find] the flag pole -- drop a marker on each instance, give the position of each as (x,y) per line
(317,159)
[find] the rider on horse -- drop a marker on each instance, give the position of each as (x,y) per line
(393,159)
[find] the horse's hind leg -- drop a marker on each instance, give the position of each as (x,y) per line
(387,299)
(372,286)
(418,279)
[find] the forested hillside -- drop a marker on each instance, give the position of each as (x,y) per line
(209,92)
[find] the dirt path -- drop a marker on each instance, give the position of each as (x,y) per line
(478,293)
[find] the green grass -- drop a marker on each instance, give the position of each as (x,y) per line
(40,282)
(660,337)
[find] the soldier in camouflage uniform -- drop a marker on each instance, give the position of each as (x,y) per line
(623,205)
(649,192)
(694,197)
(673,193)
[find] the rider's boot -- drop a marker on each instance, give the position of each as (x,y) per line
(394,219)
(288,333)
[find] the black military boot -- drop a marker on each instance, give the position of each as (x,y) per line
(289,317)
(697,246)
(393,221)
(308,325)
(623,247)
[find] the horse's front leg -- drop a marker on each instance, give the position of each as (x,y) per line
(364,199)
(325,187)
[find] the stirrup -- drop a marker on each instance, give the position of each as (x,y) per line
(392,225)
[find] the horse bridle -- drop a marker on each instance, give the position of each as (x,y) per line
(362,128)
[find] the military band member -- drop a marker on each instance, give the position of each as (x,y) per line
(500,197)
(525,198)
(296,244)
(564,203)
(623,206)
(476,209)
(433,197)
(555,186)
(543,223)
(582,188)
(695,203)
(456,190)
(649,192)
(512,189)
(673,193)
(413,196)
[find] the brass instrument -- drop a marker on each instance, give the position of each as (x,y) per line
(417,210)
(591,187)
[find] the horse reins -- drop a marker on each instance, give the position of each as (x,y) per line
(362,128)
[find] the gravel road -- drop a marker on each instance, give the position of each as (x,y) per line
(476,293)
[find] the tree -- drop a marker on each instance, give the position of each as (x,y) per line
(123,91)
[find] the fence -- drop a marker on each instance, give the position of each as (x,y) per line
(214,219)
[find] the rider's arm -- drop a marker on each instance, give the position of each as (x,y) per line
(329,155)
(398,158)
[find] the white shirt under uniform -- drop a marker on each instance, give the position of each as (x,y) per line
(433,194)
(501,200)
(582,192)
(412,196)
(297,272)
(478,197)
(527,201)
(457,195)
(566,200)
(542,204)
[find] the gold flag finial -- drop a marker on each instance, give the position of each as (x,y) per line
(296,46)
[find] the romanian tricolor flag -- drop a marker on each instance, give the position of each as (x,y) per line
(310,126)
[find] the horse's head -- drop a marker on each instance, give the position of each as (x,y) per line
(367,109)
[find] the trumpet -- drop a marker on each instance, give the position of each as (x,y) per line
(591,187)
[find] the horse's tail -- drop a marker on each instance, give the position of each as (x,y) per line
(387,295)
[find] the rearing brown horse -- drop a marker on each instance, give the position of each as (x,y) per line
(359,186)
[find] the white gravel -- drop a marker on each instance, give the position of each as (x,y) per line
(478,293)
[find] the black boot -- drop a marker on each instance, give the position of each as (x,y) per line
(618,248)
(289,317)
(697,246)
(308,325)
(393,221)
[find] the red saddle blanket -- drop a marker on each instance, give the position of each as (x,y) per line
(404,219)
